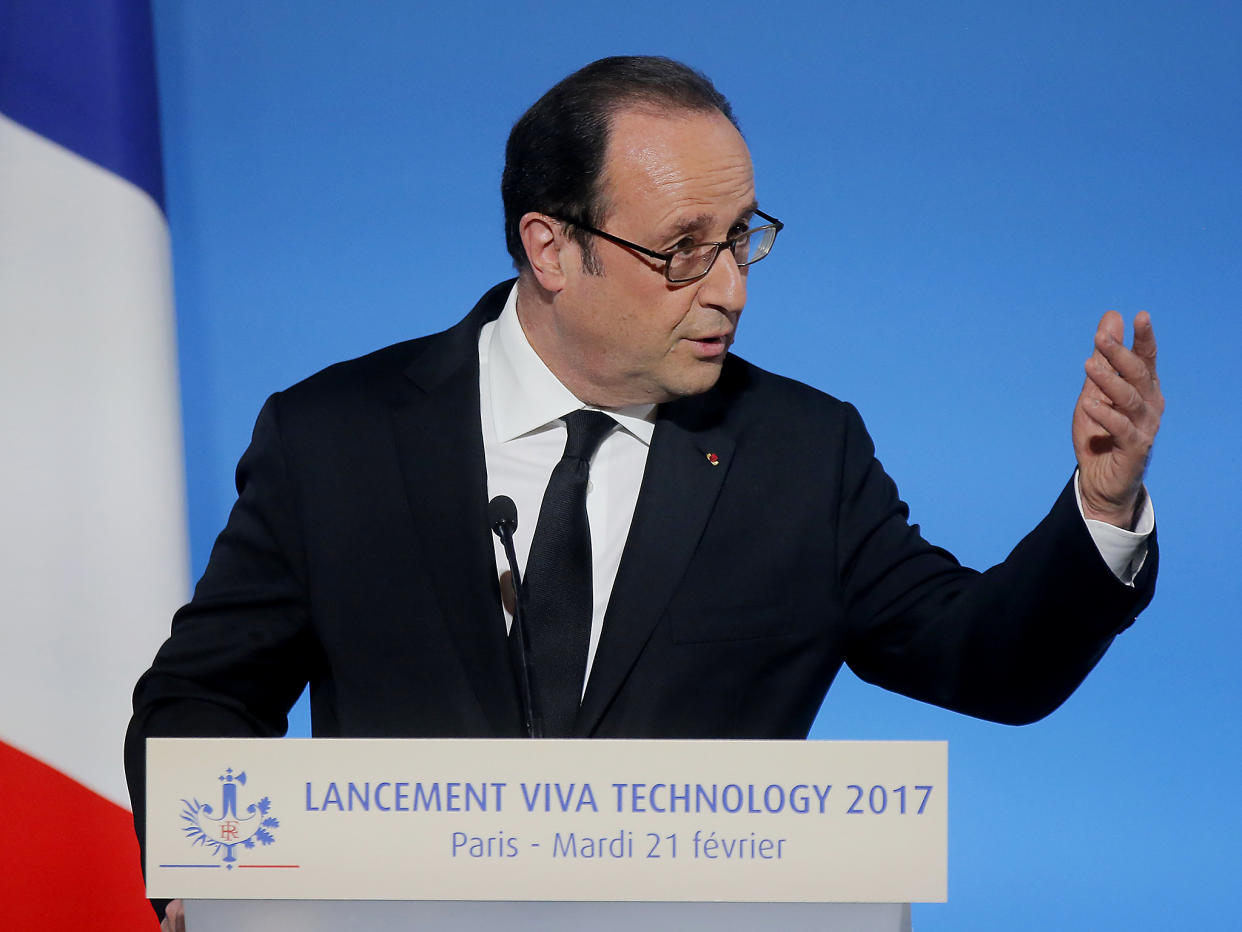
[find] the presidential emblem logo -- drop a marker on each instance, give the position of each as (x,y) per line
(225,830)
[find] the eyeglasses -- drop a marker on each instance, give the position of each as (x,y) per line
(693,262)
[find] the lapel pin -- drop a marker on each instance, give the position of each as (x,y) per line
(713,459)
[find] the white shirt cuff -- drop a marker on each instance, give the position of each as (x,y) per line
(1124,551)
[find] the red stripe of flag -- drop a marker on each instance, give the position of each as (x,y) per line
(68,857)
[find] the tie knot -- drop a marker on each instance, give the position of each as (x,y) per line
(586,430)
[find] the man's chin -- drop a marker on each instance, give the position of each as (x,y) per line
(701,377)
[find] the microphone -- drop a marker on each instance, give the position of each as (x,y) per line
(503,519)
(502,516)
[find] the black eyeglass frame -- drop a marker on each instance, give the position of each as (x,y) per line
(667,257)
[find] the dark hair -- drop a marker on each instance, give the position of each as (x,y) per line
(555,154)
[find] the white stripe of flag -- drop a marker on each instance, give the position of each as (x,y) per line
(93,554)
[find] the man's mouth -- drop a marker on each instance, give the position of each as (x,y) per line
(710,346)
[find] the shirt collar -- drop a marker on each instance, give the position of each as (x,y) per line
(525,395)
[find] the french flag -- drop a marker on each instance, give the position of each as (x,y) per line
(92,509)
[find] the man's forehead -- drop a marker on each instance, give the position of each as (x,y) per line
(693,162)
(645,132)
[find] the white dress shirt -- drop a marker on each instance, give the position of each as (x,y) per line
(522,404)
(1124,551)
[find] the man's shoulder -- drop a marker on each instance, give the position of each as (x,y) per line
(348,388)
(369,369)
(778,425)
(389,372)
(750,391)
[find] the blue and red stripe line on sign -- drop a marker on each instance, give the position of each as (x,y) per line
(238,866)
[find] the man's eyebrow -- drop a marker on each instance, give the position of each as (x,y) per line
(701,222)
(691,224)
(748,212)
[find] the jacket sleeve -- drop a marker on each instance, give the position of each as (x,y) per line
(241,651)
(1010,644)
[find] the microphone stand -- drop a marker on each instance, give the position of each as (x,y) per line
(502,514)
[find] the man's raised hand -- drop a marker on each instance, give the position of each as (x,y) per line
(1116,419)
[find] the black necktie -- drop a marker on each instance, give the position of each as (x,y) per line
(558,579)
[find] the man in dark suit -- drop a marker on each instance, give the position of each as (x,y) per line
(744,542)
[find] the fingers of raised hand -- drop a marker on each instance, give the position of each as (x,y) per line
(1112,324)
(1127,376)
(1138,370)
(1145,340)
(1115,423)
(1113,386)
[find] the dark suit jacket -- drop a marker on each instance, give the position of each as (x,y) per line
(358,557)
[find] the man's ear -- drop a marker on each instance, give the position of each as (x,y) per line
(546,248)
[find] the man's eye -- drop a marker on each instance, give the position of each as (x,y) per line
(685,244)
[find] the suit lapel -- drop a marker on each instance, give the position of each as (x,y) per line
(440,447)
(686,467)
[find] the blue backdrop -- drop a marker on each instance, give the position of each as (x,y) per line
(966,187)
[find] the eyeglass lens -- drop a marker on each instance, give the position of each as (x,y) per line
(747,248)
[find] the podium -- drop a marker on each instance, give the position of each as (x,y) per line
(467,834)
(334,915)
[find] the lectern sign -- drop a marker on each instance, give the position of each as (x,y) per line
(796,821)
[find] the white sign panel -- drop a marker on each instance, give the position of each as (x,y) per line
(732,821)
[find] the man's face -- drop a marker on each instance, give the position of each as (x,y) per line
(627,335)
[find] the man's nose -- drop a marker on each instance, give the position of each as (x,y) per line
(724,286)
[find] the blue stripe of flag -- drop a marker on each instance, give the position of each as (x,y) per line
(82,74)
